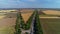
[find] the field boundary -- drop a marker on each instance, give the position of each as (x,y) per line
(49,17)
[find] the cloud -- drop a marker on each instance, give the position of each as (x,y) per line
(29,3)
(12,4)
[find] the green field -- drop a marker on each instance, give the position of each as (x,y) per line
(50,26)
(6,30)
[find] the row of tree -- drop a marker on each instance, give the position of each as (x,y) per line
(17,26)
(20,23)
(37,25)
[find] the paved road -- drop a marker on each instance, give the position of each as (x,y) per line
(32,25)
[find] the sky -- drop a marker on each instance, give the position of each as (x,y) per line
(29,3)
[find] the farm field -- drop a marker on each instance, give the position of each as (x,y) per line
(48,15)
(6,30)
(26,14)
(7,21)
(49,19)
(51,12)
(7,25)
(1,17)
(50,25)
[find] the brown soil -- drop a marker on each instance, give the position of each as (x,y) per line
(7,22)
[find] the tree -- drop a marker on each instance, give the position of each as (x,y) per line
(26,33)
(17,26)
(37,25)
